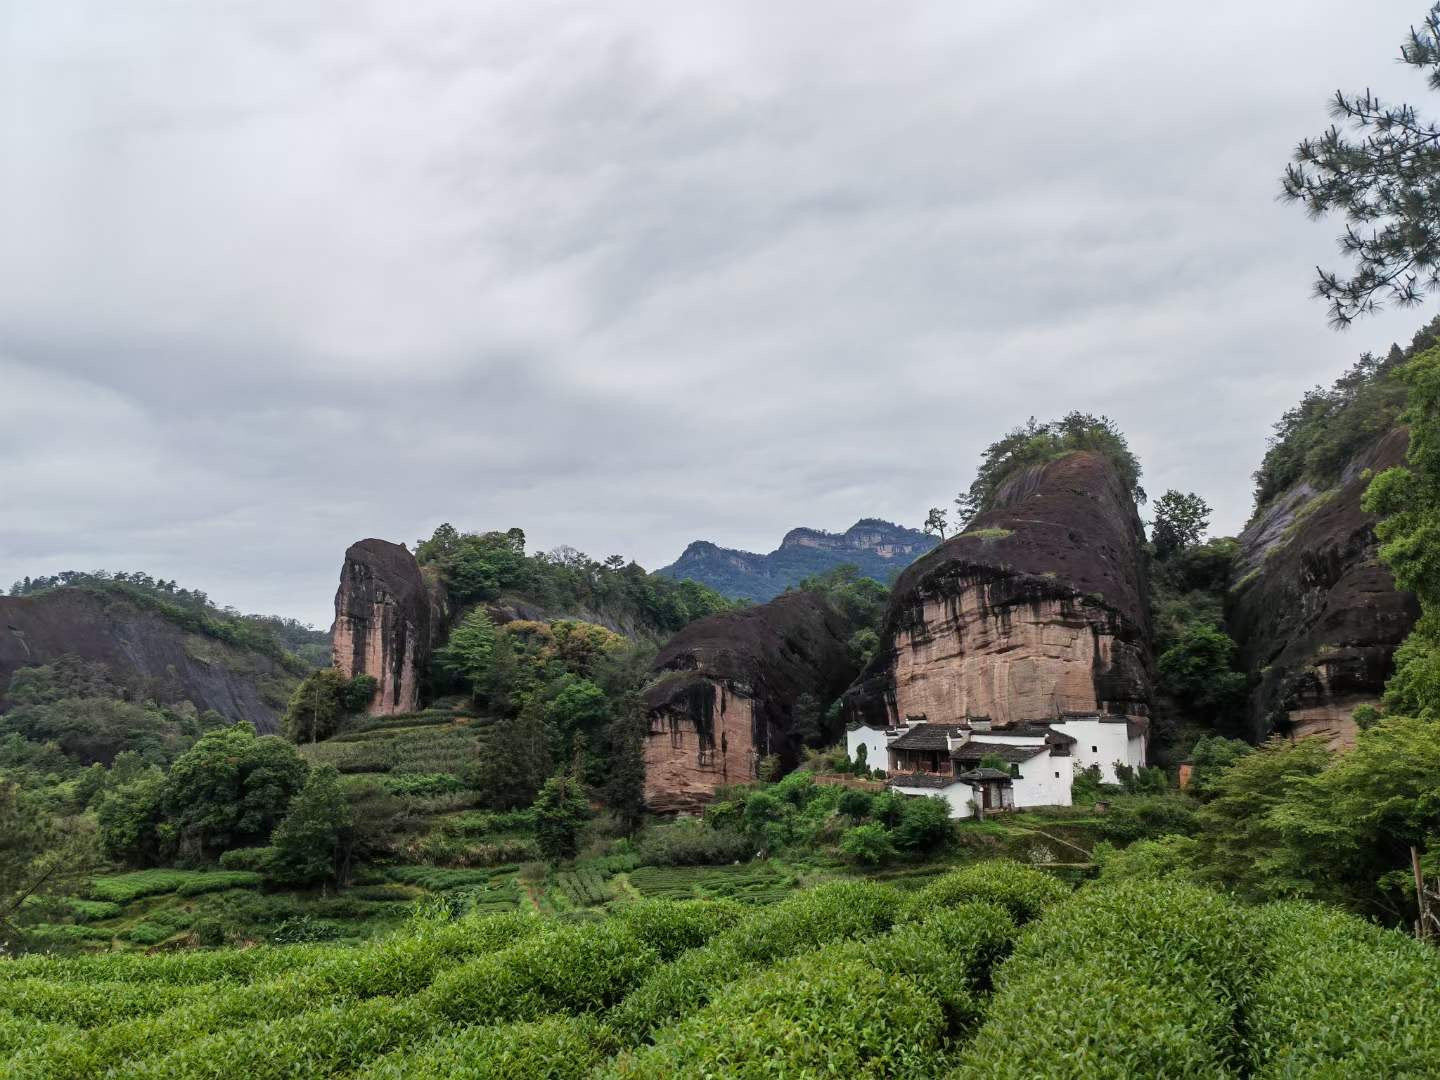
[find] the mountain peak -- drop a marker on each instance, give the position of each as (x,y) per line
(879,548)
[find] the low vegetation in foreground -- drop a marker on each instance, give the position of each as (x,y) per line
(991,970)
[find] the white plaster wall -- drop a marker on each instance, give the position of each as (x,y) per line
(1136,751)
(1102,744)
(1038,783)
(874,741)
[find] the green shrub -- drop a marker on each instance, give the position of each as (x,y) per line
(868,845)
(148,933)
(1147,817)
(821,1015)
(1134,979)
(19,1032)
(556,1048)
(693,843)
(1024,891)
(219,881)
(828,913)
(257,860)
(422,784)
(571,969)
(671,927)
(1342,997)
(122,888)
(89,1004)
(321,1042)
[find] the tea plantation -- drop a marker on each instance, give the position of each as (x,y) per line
(992,970)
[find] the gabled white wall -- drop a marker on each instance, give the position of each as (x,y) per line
(1044,781)
(874,741)
(1103,744)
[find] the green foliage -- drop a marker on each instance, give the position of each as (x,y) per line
(561,809)
(322,701)
(469,653)
(123,888)
(1379,171)
(229,790)
(1068,1001)
(1240,845)
(671,927)
(1147,816)
(693,843)
(819,1015)
(924,826)
(1035,444)
(1166,856)
(484,566)
(309,843)
(514,763)
(1180,521)
(1021,890)
(581,968)
(1199,670)
(868,845)
(557,1048)
(1211,756)
(1341,997)
(1318,438)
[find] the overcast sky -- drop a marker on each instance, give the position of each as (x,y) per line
(278,276)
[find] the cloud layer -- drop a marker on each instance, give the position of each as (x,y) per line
(275,277)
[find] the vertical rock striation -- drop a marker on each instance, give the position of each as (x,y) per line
(1039,608)
(1317,615)
(725,691)
(383,623)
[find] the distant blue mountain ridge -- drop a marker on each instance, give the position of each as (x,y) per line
(881,549)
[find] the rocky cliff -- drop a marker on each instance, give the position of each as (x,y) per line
(1317,615)
(725,692)
(877,547)
(383,623)
(1040,607)
(144,650)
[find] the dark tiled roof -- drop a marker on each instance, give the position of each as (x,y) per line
(975,775)
(927,737)
(922,780)
(1035,728)
(976,749)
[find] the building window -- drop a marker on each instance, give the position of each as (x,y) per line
(1094,749)
(1057,776)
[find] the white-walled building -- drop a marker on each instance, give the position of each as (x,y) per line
(875,741)
(1042,757)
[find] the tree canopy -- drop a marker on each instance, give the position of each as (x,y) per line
(1034,443)
(1378,167)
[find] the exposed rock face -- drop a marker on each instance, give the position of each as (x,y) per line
(877,547)
(1038,609)
(383,623)
(143,650)
(1316,613)
(725,694)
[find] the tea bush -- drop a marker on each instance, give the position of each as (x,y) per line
(1134,979)
(805,921)
(557,1048)
(1024,891)
(580,968)
(1342,997)
(821,1015)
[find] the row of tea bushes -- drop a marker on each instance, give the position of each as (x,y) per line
(889,1006)
(1342,996)
(1136,979)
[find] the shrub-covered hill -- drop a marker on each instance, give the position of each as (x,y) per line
(993,970)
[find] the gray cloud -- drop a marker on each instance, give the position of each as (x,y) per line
(278,276)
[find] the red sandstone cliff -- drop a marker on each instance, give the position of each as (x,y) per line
(383,623)
(1040,607)
(725,691)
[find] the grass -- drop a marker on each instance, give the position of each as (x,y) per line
(755,883)
(123,888)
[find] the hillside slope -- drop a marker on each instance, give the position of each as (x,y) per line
(878,548)
(145,650)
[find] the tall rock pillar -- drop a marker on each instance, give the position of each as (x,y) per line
(382,623)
